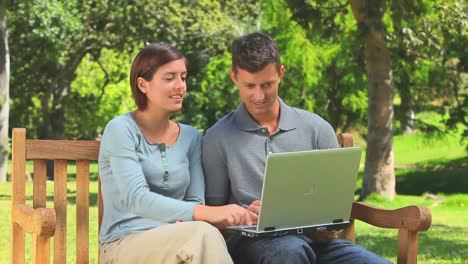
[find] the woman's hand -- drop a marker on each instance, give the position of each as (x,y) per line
(226,215)
(254,207)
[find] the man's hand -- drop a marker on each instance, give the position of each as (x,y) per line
(222,216)
(254,207)
(322,237)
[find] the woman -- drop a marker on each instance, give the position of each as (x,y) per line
(151,175)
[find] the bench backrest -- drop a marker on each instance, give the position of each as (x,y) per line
(46,223)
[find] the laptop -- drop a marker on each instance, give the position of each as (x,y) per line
(305,191)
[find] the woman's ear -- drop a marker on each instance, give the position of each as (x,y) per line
(233,76)
(142,85)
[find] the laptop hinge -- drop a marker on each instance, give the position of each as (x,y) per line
(338,221)
(269,228)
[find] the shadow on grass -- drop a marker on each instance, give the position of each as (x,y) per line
(419,181)
(71,198)
(93,197)
(382,244)
(441,163)
(93,176)
(434,244)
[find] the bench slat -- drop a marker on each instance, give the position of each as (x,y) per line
(60,205)
(41,249)
(18,181)
(39,183)
(62,149)
(41,245)
(82,214)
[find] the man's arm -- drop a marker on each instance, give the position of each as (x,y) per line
(327,137)
(217,186)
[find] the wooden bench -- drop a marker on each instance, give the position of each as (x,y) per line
(47,223)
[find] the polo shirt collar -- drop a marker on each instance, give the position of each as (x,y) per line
(245,121)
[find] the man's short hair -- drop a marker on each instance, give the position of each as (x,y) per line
(253,52)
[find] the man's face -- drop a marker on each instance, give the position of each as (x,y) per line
(259,90)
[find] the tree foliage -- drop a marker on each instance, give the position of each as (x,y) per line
(340,91)
(4,92)
(70,62)
(428,45)
(66,33)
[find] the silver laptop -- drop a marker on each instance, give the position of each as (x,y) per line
(305,191)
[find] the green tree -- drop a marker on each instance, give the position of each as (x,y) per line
(379,173)
(216,96)
(367,49)
(339,93)
(101,90)
(67,33)
(451,75)
(4,92)
(430,52)
(425,41)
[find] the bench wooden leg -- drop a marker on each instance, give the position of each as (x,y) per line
(407,247)
(41,249)
(349,232)
(17,245)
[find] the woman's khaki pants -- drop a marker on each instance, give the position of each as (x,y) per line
(186,242)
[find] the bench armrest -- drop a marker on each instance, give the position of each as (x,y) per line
(413,218)
(38,221)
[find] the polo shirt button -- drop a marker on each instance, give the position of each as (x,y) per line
(263,130)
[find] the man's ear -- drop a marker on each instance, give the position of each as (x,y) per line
(233,75)
(281,71)
(142,85)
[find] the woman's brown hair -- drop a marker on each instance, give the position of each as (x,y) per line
(146,63)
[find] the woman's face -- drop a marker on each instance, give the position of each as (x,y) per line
(166,90)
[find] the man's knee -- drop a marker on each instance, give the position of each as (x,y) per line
(294,248)
(288,249)
(340,250)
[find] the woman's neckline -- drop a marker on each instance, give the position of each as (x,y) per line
(132,117)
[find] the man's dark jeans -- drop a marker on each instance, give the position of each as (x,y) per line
(297,250)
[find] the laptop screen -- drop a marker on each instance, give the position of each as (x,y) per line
(308,188)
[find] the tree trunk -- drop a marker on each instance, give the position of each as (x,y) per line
(335,106)
(4,93)
(54,101)
(406,109)
(379,175)
(56,97)
(53,115)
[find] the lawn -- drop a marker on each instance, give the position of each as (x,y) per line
(431,172)
(445,242)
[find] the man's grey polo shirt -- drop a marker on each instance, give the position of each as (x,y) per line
(235,149)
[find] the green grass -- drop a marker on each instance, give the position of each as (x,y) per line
(435,152)
(445,242)
(423,151)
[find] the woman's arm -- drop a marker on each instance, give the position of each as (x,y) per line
(120,141)
(226,215)
(196,189)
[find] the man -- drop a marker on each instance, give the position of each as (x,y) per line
(235,149)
